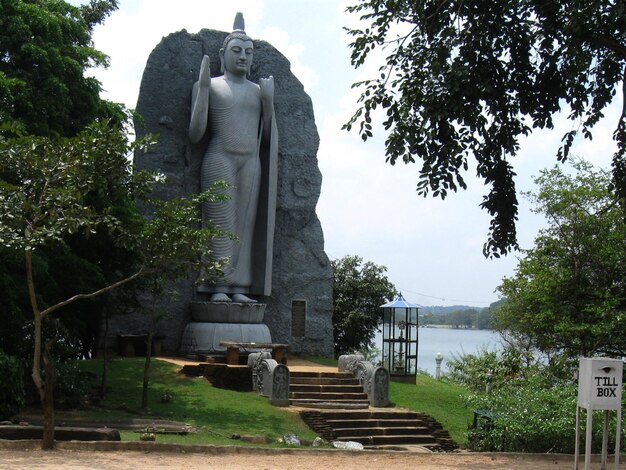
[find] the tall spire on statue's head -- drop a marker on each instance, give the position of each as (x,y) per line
(239,24)
(239,30)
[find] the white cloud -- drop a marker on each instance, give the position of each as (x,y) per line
(131,33)
(279,38)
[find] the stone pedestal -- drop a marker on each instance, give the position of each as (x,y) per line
(214,322)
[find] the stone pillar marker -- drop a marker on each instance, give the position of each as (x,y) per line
(438,360)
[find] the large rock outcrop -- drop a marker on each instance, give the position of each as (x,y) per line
(301,270)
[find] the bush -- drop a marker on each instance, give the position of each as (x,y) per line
(11,386)
(537,414)
(527,416)
(532,405)
(72,385)
(496,368)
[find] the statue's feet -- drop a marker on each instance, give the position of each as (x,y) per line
(243,299)
(220,297)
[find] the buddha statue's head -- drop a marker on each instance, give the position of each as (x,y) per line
(237,49)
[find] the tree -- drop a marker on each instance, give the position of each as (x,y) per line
(359,289)
(171,245)
(461,318)
(471,77)
(45,197)
(483,319)
(45,47)
(568,295)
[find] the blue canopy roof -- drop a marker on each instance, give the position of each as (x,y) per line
(400,303)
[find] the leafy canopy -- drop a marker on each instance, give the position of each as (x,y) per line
(359,289)
(45,197)
(469,78)
(45,47)
(568,293)
(45,51)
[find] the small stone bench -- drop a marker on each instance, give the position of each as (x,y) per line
(130,345)
(279,350)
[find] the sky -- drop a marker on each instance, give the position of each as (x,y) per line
(432,249)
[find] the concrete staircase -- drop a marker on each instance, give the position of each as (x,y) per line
(380,429)
(337,408)
(326,390)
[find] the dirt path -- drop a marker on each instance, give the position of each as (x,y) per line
(124,460)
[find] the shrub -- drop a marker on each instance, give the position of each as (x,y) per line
(495,368)
(532,405)
(11,386)
(72,385)
(527,416)
(537,414)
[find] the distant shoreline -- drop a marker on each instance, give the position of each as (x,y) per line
(452,327)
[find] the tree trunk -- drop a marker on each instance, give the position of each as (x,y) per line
(146,367)
(44,387)
(105,356)
(48,401)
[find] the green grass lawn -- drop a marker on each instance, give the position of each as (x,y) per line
(221,413)
(441,400)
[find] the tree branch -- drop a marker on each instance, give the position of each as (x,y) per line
(608,43)
(73,299)
(622,118)
(30,283)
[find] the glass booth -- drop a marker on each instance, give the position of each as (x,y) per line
(400,337)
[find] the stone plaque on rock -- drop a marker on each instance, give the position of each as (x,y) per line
(298,318)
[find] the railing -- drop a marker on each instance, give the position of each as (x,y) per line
(269,378)
(375,380)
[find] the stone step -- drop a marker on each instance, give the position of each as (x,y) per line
(333,404)
(327,391)
(311,388)
(426,446)
(328,396)
(390,439)
(330,375)
(322,381)
(374,423)
(378,414)
(376,429)
(381,431)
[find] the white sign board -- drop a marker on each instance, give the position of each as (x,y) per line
(600,383)
(599,388)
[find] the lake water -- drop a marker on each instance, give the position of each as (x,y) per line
(448,342)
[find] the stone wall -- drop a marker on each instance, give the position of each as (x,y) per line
(301,269)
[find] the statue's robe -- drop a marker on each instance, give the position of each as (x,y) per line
(248,159)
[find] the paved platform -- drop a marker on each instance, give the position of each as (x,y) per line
(295,364)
